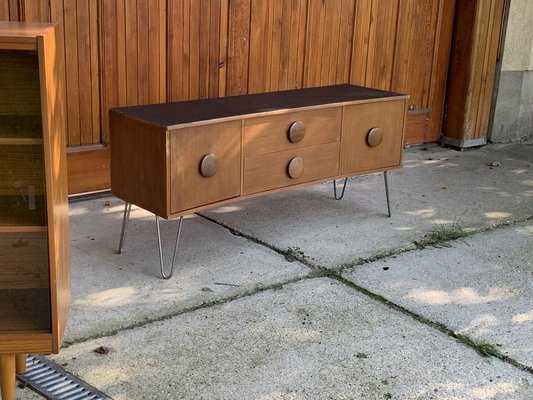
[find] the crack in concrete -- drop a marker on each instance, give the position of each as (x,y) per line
(334,273)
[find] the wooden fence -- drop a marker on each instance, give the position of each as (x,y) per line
(125,52)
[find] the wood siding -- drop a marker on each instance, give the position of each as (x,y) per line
(472,70)
(125,52)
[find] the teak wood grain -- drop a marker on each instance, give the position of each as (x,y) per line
(157,150)
(356,154)
(269,134)
(270,171)
(139,163)
(188,188)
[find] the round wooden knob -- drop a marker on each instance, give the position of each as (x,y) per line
(296,131)
(208,165)
(296,167)
(374,137)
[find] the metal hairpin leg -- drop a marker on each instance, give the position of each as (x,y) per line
(125,219)
(387,192)
(161,250)
(335,189)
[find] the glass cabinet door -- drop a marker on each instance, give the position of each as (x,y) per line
(22,189)
(24,271)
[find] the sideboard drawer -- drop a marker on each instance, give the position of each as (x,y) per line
(291,130)
(372,136)
(290,167)
(205,165)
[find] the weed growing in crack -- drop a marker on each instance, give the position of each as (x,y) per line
(442,234)
(483,349)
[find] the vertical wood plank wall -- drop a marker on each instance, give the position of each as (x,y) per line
(472,69)
(125,52)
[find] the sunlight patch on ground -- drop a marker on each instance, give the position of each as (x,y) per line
(526,229)
(527,183)
(425,212)
(522,318)
(481,324)
(443,221)
(403,228)
(227,209)
(76,211)
(519,171)
(504,194)
(497,214)
(462,296)
(493,390)
(110,298)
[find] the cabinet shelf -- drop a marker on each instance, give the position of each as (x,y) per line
(15,141)
(23,228)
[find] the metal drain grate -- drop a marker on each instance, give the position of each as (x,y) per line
(54,383)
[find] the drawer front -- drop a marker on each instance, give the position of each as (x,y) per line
(372,136)
(292,130)
(290,167)
(23,260)
(205,165)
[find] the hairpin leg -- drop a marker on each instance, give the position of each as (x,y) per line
(387,192)
(163,275)
(125,219)
(335,189)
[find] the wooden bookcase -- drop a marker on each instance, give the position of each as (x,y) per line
(34,232)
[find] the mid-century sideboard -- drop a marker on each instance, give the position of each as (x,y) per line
(174,159)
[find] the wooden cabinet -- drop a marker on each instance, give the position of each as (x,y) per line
(176,158)
(34,233)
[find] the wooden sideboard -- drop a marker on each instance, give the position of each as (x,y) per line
(34,230)
(174,159)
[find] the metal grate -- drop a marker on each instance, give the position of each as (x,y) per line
(54,383)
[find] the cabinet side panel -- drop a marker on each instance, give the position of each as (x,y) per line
(138,163)
(54,144)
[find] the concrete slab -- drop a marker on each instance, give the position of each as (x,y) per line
(314,339)
(435,186)
(482,287)
(113,291)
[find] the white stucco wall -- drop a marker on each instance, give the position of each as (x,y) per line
(513,111)
(518,54)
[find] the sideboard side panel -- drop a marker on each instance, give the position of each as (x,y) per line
(139,163)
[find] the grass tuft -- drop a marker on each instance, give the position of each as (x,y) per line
(483,349)
(442,234)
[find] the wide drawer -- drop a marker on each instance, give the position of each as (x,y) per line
(290,167)
(291,130)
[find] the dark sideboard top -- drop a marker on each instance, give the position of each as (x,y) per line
(186,112)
